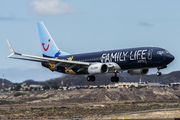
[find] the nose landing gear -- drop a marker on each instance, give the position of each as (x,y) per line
(158,73)
(160,67)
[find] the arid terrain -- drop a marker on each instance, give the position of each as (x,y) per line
(90,103)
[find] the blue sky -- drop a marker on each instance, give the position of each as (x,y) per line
(85,26)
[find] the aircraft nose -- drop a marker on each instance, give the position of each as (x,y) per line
(169,58)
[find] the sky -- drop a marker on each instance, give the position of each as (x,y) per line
(79,26)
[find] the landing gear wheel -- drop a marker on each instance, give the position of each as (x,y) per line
(159,74)
(114,79)
(117,79)
(91,78)
(88,78)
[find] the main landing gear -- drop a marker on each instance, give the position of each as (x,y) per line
(115,78)
(91,78)
(160,67)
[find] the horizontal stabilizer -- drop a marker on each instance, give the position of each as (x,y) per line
(10,55)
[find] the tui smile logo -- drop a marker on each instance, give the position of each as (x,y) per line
(45,49)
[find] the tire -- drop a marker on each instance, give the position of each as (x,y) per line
(88,78)
(159,73)
(93,78)
(116,79)
(113,79)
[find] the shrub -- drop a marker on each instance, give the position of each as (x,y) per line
(18,94)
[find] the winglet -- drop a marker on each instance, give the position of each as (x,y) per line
(11,49)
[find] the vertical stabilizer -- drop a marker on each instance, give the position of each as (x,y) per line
(49,48)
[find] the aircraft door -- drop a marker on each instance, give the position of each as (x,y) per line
(149,55)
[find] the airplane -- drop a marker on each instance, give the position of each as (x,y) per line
(136,61)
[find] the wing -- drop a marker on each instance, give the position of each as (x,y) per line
(56,62)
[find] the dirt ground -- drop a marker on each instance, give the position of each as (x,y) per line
(83,104)
(149,115)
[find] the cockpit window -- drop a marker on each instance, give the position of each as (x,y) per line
(167,51)
(162,52)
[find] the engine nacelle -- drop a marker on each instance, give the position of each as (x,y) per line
(97,68)
(138,72)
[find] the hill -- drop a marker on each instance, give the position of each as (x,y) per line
(123,77)
(103,79)
(7,83)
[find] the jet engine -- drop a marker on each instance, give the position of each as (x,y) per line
(138,72)
(98,68)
